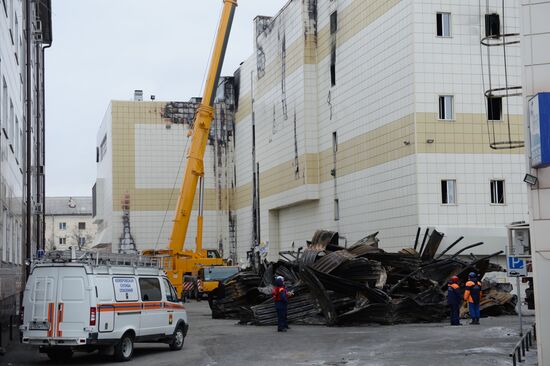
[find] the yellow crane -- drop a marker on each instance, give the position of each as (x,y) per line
(179,261)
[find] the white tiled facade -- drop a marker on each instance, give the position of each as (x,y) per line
(390,66)
(358,150)
(536,72)
(19,170)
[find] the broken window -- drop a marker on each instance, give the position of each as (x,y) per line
(336,209)
(103,148)
(492,25)
(497,192)
(446,107)
(62,240)
(443,24)
(448,192)
(333,22)
(333,30)
(494,108)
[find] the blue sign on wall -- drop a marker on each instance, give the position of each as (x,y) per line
(539,125)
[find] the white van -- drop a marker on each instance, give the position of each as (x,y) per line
(103,303)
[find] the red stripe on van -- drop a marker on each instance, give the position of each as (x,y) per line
(50,318)
(59,318)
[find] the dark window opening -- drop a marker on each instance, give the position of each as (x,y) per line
(494,108)
(332,74)
(497,192)
(492,25)
(81,226)
(336,209)
(443,24)
(333,22)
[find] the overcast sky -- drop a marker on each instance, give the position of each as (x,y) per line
(104,49)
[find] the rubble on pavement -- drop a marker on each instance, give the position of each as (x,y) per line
(333,285)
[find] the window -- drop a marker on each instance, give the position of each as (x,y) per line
(333,30)
(9,240)
(333,22)
(4,104)
(336,209)
(62,226)
(16,37)
(62,241)
(448,192)
(494,108)
(81,241)
(11,120)
(497,192)
(81,226)
(169,290)
(443,24)
(125,289)
(103,148)
(16,138)
(492,25)
(446,107)
(150,289)
(4,233)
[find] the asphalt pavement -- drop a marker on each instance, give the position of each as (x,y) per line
(222,342)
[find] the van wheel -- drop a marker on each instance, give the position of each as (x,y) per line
(177,340)
(60,355)
(125,348)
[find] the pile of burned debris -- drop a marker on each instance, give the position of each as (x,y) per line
(333,285)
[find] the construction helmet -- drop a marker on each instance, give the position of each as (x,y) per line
(454,279)
(472,275)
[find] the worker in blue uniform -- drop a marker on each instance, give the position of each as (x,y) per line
(454,299)
(473,294)
(280,296)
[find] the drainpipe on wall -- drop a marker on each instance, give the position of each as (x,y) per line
(41,154)
(28,128)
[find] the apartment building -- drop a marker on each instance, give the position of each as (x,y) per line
(69,223)
(141,150)
(367,116)
(25,31)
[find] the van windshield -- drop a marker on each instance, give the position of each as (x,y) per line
(218,273)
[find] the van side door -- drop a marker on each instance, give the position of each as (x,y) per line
(153,314)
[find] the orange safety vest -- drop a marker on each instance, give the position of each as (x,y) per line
(467,293)
(454,285)
(277,293)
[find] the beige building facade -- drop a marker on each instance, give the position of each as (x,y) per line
(141,159)
(359,116)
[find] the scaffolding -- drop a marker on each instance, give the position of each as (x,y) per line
(497,37)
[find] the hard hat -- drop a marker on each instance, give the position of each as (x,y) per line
(472,275)
(279,278)
(454,278)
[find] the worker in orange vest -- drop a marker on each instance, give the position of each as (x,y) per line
(280,296)
(454,299)
(473,296)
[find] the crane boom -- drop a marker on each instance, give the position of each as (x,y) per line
(201,128)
